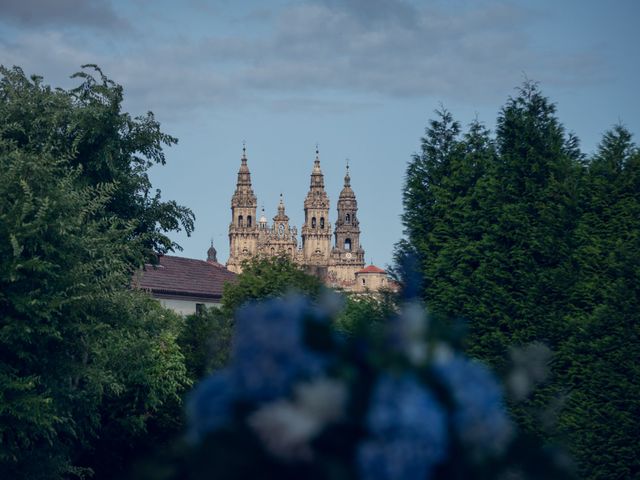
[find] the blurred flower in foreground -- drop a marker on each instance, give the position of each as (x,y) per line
(480,417)
(360,407)
(286,426)
(268,350)
(530,367)
(409,431)
(209,406)
(409,332)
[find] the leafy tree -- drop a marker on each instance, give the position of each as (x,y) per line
(87,127)
(528,241)
(82,357)
(600,372)
(265,277)
(425,174)
(366,314)
(206,342)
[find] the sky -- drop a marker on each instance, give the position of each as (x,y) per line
(360,78)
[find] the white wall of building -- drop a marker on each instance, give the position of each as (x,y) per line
(184,307)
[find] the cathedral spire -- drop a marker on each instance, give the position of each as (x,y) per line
(244,175)
(316,163)
(212,254)
(281,216)
(317,178)
(316,232)
(243,231)
(347,178)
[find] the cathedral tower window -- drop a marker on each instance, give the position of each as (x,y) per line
(322,222)
(347,244)
(313,222)
(347,219)
(248,220)
(240,221)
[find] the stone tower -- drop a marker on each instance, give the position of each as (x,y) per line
(316,231)
(243,230)
(281,238)
(348,255)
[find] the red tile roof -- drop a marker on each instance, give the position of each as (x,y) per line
(185,277)
(371,269)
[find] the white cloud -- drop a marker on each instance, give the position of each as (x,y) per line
(381,48)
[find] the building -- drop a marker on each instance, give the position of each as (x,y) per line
(338,263)
(185,285)
(373,279)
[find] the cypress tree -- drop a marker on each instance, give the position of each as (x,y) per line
(600,372)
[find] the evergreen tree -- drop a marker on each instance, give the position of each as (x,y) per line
(600,372)
(528,199)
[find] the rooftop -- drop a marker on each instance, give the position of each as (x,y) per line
(184,276)
(371,269)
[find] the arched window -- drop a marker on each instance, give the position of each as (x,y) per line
(363,281)
(347,219)
(240,220)
(313,222)
(273,251)
(347,244)
(321,222)
(248,220)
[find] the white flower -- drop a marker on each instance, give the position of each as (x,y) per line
(286,427)
(442,353)
(324,399)
(413,326)
(530,367)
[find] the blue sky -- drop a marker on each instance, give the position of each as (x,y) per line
(359,77)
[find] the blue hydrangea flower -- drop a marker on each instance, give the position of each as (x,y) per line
(409,431)
(397,458)
(480,417)
(269,353)
(209,404)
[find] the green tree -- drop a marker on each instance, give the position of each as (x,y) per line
(424,182)
(206,341)
(491,222)
(81,356)
(600,373)
(528,202)
(528,241)
(266,277)
(366,314)
(87,127)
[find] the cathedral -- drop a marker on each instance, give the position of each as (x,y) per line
(339,263)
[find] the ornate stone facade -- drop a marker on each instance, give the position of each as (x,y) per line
(335,264)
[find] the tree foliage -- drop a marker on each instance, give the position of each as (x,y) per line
(600,376)
(527,240)
(87,128)
(206,342)
(86,365)
(265,277)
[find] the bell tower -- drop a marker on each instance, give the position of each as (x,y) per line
(243,230)
(316,231)
(347,254)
